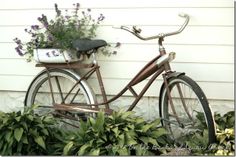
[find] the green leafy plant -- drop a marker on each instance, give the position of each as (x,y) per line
(122,133)
(225,137)
(23,133)
(119,134)
(59,32)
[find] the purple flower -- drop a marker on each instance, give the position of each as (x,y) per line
(18,50)
(50,38)
(101,17)
(35,27)
(67,17)
(43,20)
(18,41)
(118,44)
(40,19)
(57,10)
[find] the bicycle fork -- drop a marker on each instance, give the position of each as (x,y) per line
(166,76)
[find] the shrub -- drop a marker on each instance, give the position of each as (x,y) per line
(225,137)
(122,133)
(23,133)
(118,134)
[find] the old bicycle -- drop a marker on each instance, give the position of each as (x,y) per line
(61,89)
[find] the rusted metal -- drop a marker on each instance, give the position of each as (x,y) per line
(100,82)
(133,91)
(147,70)
(144,73)
(65,107)
(145,88)
(170,99)
(85,76)
(150,69)
(183,102)
(73,65)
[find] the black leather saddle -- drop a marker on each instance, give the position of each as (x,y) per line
(85,45)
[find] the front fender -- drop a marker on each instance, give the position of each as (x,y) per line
(169,76)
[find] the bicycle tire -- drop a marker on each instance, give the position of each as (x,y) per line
(39,92)
(178,133)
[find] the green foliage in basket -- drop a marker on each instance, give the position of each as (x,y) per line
(60,31)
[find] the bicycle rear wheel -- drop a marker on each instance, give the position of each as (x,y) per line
(190,114)
(62,81)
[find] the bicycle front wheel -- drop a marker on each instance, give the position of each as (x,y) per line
(62,81)
(188,114)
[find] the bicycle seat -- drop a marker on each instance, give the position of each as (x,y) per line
(85,45)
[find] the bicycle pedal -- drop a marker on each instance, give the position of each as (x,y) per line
(82,116)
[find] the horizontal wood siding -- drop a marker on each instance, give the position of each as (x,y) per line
(205,49)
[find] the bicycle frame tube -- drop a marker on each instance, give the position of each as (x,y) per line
(152,68)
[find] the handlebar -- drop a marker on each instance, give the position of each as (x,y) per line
(136,31)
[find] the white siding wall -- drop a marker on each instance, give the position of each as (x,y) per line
(204,49)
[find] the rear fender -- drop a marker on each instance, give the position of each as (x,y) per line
(83,82)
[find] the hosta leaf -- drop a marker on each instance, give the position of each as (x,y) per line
(126,114)
(45,131)
(8,136)
(116,131)
(95,152)
(146,127)
(152,141)
(19,147)
(39,140)
(48,119)
(83,148)
(25,140)
(144,139)
(30,117)
(25,126)
(18,133)
(123,151)
(92,121)
(156,122)
(159,132)
(68,147)
(139,120)
(121,139)
(99,121)
(18,118)
(129,139)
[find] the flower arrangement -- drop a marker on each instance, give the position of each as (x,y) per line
(59,32)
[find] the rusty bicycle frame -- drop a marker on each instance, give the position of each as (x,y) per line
(158,65)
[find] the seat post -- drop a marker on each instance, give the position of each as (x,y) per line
(94,58)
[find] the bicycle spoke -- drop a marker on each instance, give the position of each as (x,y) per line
(183,101)
(193,111)
(59,88)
